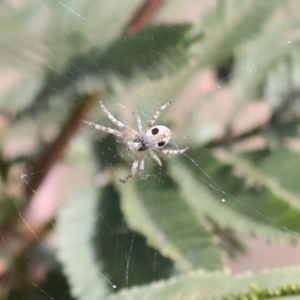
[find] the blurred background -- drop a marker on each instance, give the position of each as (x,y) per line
(70,229)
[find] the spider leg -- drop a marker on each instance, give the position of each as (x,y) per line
(170,151)
(137,167)
(157,113)
(105,129)
(139,122)
(132,172)
(155,157)
(118,123)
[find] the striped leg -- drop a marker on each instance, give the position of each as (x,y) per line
(130,131)
(139,122)
(137,167)
(170,151)
(155,157)
(105,129)
(157,113)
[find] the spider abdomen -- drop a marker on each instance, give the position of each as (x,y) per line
(156,137)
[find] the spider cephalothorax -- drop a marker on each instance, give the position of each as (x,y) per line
(153,138)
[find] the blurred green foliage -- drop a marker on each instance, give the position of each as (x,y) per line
(170,228)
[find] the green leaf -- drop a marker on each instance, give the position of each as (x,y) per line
(217,286)
(162,216)
(229,24)
(74,232)
(133,261)
(256,64)
(9,206)
(278,203)
(278,172)
(19,37)
(93,22)
(21,95)
(66,28)
(283,169)
(152,53)
(205,182)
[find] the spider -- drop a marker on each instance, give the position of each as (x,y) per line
(150,139)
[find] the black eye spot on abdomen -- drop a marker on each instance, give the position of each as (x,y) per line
(155,131)
(161,144)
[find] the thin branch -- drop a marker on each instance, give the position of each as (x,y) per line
(144,15)
(58,146)
(16,236)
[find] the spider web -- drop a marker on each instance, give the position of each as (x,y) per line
(193,123)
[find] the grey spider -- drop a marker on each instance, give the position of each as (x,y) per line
(150,139)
